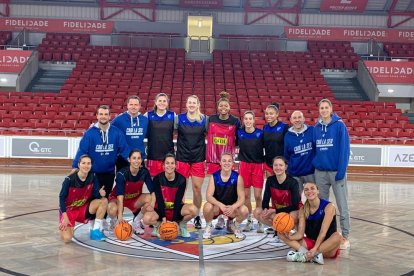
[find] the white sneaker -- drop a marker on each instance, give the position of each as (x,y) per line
(345,244)
(294,256)
(207,232)
(155,232)
(318,259)
(220,223)
(260,228)
(138,227)
(238,233)
(248,227)
(270,230)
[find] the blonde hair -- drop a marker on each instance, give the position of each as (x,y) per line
(306,205)
(325,101)
(198,115)
(160,95)
(224,97)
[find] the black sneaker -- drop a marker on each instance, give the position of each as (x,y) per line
(197,222)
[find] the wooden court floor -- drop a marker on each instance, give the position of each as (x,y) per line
(382,234)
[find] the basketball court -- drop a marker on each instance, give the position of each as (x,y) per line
(382,237)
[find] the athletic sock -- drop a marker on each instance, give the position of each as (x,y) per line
(139,217)
(98,224)
(302,250)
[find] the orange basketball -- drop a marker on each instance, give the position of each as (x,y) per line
(283,223)
(123,231)
(168,231)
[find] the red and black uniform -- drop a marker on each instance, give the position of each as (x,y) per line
(76,195)
(170,196)
(285,196)
(250,145)
(221,137)
(130,187)
(274,140)
(251,157)
(225,192)
(191,145)
(160,135)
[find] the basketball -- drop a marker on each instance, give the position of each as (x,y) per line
(168,231)
(123,231)
(283,223)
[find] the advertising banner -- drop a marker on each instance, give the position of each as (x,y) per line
(349,34)
(401,157)
(57,25)
(204,4)
(41,148)
(343,5)
(397,72)
(13,61)
(366,156)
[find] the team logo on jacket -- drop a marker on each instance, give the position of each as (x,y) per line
(221,247)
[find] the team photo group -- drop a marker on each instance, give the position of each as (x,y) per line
(288,169)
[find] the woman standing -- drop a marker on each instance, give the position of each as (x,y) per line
(160,133)
(331,138)
(221,135)
(250,141)
(283,191)
(317,221)
(191,149)
(274,135)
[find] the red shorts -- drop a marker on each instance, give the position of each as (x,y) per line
(128,203)
(311,243)
(79,214)
(221,213)
(213,167)
(252,174)
(191,169)
(169,214)
(269,169)
(155,167)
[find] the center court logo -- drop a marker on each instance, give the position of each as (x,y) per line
(222,247)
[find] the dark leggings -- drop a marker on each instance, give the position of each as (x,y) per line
(107,180)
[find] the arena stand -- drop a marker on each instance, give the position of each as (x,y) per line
(108,74)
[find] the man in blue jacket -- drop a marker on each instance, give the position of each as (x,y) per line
(103,143)
(300,150)
(134,126)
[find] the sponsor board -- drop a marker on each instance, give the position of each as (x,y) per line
(349,34)
(401,157)
(366,156)
(57,25)
(343,5)
(204,4)
(41,148)
(401,72)
(13,61)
